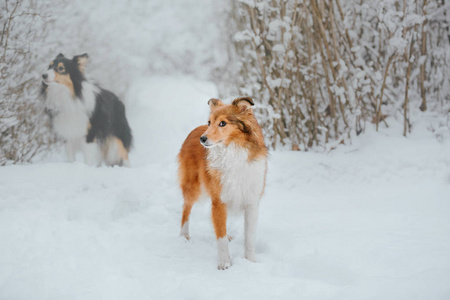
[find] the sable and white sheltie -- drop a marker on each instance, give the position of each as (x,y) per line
(227,159)
(86,116)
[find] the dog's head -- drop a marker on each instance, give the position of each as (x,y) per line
(228,123)
(66,72)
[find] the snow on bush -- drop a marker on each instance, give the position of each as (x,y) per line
(323,70)
(23,126)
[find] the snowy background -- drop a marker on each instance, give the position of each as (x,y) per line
(368,220)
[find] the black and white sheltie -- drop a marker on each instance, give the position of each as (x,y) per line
(86,116)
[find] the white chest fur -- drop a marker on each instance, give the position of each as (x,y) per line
(242,181)
(71,116)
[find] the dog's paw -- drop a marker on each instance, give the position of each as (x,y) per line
(184,231)
(250,256)
(223,265)
(186,237)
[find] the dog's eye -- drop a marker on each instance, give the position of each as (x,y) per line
(209,123)
(60,69)
(222,124)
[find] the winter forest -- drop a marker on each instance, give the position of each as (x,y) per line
(322,71)
(353,97)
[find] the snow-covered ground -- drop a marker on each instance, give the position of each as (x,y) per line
(365,221)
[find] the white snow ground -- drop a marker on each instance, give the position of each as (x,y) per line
(366,221)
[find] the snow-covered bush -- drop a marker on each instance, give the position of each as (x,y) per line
(325,69)
(23,126)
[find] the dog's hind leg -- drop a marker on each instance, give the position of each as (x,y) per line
(114,152)
(123,154)
(191,192)
(91,152)
(185,220)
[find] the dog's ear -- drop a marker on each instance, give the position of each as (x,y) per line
(244,103)
(213,103)
(60,56)
(81,61)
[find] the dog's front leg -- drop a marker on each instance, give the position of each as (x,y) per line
(219,218)
(91,152)
(71,148)
(250,222)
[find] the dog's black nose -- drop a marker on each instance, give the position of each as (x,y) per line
(203,139)
(45,75)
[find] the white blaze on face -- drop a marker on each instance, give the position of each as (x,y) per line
(50,75)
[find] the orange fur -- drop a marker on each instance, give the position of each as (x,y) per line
(123,152)
(195,171)
(114,144)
